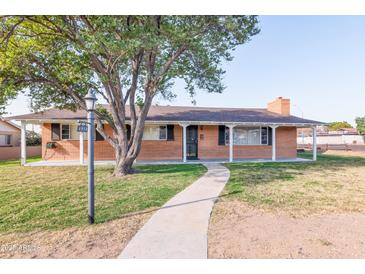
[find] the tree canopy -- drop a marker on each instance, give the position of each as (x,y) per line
(338,125)
(360,125)
(126,60)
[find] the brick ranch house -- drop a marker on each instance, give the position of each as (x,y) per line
(182,134)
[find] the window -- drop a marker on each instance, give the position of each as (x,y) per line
(248,136)
(65,133)
(8,139)
(5,140)
(264,136)
(163,133)
(69,132)
(155,132)
(55,128)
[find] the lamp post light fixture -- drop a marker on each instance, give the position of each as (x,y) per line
(90,101)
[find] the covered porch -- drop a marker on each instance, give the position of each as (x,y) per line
(229,145)
(103,163)
(234,147)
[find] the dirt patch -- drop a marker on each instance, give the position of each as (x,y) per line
(345,153)
(98,241)
(239,231)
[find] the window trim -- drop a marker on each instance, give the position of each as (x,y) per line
(159,133)
(259,127)
(267,136)
(7,138)
(159,128)
(71,139)
(69,132)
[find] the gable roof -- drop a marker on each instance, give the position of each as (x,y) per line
(9,123)
(183,114)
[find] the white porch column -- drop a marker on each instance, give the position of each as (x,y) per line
(230,143)
(273,145)
(184,126)
(23,144)
(81,138)
(314,146)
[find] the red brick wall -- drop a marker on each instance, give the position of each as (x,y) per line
(151,150)
(209,149)
(162,149)
(286,142)
(12,153)
(69,149)
(172,150)
(280,106)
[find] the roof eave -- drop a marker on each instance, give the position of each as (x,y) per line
(181,122)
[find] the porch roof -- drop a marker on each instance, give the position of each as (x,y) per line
(184,114)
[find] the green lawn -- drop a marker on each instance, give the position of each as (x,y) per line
(333,183)
(17,162)
(44,198)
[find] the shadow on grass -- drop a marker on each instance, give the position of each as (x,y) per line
(214,199)
(164,169)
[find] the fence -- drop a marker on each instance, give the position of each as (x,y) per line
(10,153)
(325,147)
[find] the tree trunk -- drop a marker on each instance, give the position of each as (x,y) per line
(123,165)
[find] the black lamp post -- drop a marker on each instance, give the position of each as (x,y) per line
(90,101)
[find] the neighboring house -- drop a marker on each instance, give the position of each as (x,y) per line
(342,136)
(9,134)
(183,133)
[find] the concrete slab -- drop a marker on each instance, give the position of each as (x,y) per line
(179,229)
(77,163)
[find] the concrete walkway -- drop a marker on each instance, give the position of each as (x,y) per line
(179,229)
(167,162)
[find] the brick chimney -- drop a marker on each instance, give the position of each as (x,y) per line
(280,106)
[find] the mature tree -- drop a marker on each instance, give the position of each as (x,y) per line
(360,125)
(338,125)
(126,60)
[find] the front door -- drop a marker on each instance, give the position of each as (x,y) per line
(192,142)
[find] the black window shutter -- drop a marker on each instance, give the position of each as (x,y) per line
(128,131)
(269,136)
(170,132)
(55,128)
(221,135)
(98,136)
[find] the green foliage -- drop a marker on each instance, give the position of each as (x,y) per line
(338,125)
(33,138)
(45,198)
(56,59)
(360,125)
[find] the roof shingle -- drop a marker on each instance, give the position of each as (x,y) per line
(183,114)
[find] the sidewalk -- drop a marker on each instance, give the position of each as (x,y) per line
(179,229)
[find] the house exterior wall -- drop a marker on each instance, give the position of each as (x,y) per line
(7,129)
(150,150)
(163,149)
(12,153)
(208,147)
(286,142)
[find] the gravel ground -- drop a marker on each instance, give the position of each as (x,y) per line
(97,241)
(238,231)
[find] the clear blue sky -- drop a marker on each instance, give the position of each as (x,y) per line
(316,61)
